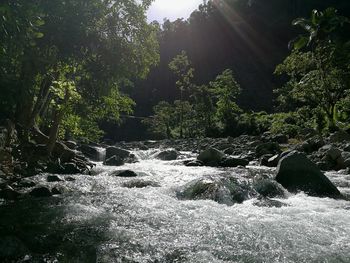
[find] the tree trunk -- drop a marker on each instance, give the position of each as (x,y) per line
(57,118)
(40,102)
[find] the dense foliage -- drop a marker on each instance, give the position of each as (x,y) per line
(63,62)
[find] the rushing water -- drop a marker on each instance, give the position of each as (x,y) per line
(97,219)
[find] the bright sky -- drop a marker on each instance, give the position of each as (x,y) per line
(172,9)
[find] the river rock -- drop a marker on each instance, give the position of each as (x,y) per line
(233,162)
(116,151)
(211,157)
(41,191)
(54,178)
(124,173)
(224,190)
(140,184)
(71,168)
(267,148)
(269,188)
(296,172)
(339,136)
(168,155)
(114,161)
(90,151)
(71,144)
(267,202)
(193,163)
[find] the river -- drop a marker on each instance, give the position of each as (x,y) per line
(98,219)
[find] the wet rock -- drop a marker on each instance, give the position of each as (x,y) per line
(54,167)
(71,145)
(116,151)
(269,188)
(58,190)
(71,168)
(233,162)
(267,148)
(124,173)
(311,145)
(89,151)
(339,136)
(296,172)
(267,202)
(70,179)
(62,152)
(211,157)
(224,190)
(114,161)
(229,151)
(264,160)
(168,155)
(54,178)
(332,158)
(40,191)
(25,183)
(140,184)
(9,193)
(193,163)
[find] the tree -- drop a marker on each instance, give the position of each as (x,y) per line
(181,67)
(105,43)
(162,122)
(226,90)
(319,75)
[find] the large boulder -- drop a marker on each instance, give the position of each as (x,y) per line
(90,151)
(296,172)
(222,190)
(116,151)
(211,157)
(168,155)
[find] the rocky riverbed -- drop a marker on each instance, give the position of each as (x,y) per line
(210,200)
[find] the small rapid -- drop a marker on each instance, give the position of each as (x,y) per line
(98,219)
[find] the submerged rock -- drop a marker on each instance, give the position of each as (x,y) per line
(193,163)
(211,157)
(168,155)
(140,184)
(222,190)
(296,172)
(267,202)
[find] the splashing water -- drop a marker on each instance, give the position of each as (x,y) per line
(99,220)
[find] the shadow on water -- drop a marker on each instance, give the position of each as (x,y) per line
(35,230)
